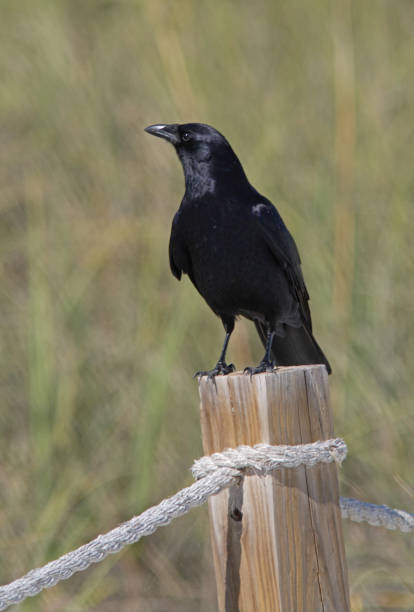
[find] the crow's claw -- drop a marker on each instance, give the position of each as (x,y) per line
(264,366)
(221,369)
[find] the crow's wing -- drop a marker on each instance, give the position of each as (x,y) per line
(175,249)
(180,260)
(284,249)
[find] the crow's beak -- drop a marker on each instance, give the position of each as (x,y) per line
(169,132)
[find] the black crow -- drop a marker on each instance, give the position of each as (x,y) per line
(237,251)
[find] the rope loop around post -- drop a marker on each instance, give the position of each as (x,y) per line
(262,459)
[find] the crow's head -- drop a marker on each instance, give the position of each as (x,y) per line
(195,139)
(205,154)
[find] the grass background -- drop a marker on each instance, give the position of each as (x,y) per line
(99,413)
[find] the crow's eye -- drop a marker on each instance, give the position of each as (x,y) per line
(186,136)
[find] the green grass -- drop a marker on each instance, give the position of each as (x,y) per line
(99,342)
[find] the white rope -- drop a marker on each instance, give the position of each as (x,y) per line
(264,458)
(379,516)
(213,474)
(113,541)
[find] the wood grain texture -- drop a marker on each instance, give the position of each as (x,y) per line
(277,539)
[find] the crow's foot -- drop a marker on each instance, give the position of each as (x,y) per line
(221,368)
(264,366)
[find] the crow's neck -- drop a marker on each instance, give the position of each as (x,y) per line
(207,177)
(199,180)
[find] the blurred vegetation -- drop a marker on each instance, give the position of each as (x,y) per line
(99,413)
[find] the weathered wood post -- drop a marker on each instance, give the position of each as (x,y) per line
(277,539)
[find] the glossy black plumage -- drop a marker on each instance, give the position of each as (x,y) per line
(234,246)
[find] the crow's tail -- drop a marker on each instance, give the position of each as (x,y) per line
(297,347)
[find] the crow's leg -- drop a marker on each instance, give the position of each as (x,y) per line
(221,366)
(266,365)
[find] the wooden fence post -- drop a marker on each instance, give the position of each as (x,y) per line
(277,539)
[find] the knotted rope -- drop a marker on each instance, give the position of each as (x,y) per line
(212,474)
